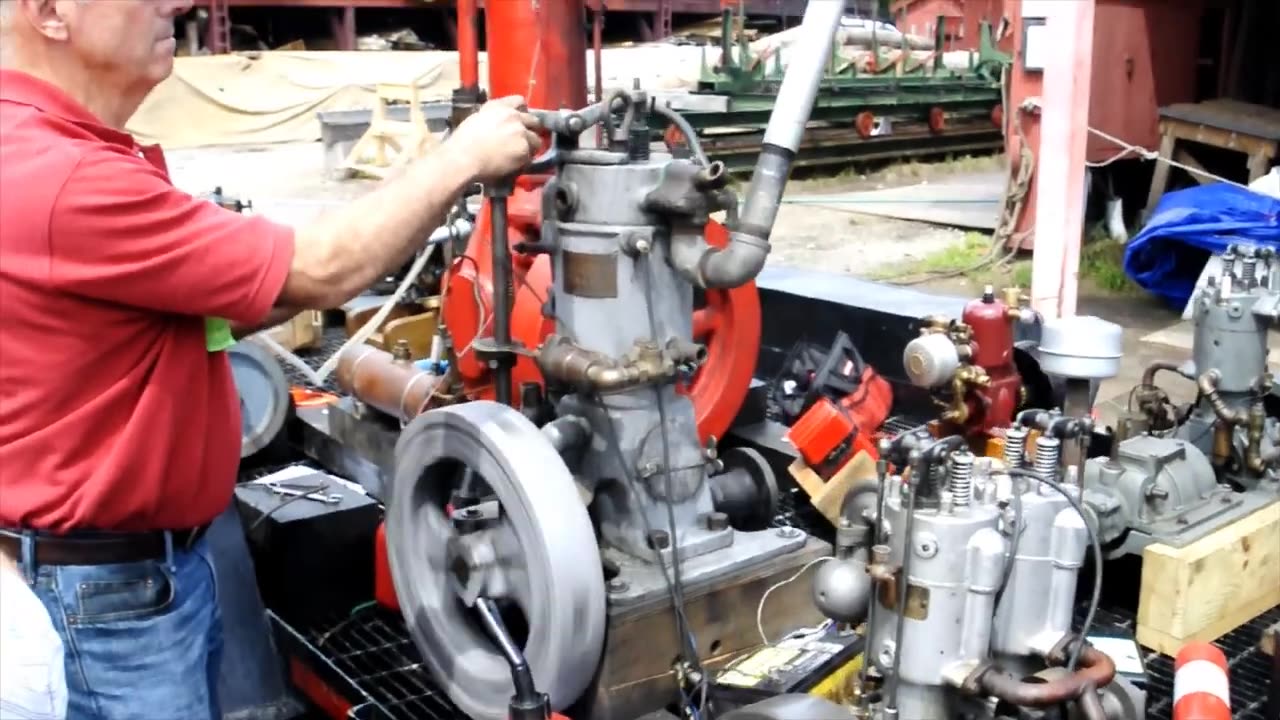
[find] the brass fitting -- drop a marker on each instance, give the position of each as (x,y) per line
(589,371)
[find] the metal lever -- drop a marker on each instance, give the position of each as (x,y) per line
(527,703)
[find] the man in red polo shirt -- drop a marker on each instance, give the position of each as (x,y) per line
(119,420)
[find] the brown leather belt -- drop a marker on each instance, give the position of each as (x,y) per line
(99,549)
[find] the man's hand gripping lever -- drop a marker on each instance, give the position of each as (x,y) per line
(499,352)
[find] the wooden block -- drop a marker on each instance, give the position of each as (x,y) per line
(1206,589)
(828,495)
(304,330)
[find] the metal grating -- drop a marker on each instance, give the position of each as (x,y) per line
(372,649)
(333,338)
(1249,666)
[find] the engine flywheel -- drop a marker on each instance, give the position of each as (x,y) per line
(482,505)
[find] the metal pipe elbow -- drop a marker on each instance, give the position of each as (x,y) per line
(1207,384)
(1096,670)
(734,265)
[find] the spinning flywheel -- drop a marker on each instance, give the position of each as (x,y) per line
(484,510)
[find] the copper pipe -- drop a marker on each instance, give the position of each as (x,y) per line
(1207,383)
(380,380)
(1149,375)
(1096,670)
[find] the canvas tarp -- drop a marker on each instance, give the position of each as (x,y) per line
(273,97)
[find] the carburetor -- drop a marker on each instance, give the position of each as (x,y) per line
(969,363)
(973,569)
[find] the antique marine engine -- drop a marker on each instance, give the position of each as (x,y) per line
(1175,474)
(969,363)
(968,570)
(540,532)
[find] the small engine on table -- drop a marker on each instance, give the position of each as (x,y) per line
(969,363)
(610,511)
(1175,474)
(965,569)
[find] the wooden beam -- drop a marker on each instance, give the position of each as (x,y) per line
(1064,140)
(1206,589)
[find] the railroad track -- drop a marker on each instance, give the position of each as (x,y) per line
(829,147)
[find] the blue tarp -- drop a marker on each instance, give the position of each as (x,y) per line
(1190,225)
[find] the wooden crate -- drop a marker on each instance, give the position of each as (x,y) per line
(1206,589)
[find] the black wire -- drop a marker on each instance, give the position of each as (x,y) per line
(683,635)
(1097,559)
(307,490)
(1013,544)
(664,433)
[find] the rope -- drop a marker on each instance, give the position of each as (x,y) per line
(1146,154)
(1005,241)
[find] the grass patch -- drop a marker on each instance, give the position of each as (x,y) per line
(1101,265)
(967,253)
(892,174)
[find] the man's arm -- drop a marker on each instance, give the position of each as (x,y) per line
(338,256)
(276,316)
(121,232)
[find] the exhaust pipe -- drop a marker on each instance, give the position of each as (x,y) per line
(743,258)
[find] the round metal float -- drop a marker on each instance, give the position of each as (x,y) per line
(264,395)
(483,506)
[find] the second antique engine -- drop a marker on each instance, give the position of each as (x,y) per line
(1175,473)
(969,363)
(965,571)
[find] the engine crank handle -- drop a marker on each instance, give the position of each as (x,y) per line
(520,674)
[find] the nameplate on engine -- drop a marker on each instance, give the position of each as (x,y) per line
(590,275)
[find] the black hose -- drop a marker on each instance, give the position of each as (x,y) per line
(695,146)
(1097,557)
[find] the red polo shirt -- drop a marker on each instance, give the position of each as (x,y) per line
(113,414)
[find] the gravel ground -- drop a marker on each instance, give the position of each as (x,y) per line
(288,182)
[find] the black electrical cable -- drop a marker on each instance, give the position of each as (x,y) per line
(1097,558)
(1013,544)
(664,433)
(304,489)
(683,635)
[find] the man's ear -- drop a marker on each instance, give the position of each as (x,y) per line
(46,16)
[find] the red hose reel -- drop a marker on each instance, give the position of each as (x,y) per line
(728,324)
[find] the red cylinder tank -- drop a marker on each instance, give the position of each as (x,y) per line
(538,50)
(989,319)
(993,405)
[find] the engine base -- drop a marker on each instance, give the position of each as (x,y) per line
(635,675)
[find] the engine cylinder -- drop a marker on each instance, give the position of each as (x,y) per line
(614,285)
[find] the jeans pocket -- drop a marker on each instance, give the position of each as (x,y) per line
(123,592)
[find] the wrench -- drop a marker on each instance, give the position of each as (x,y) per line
(330,499)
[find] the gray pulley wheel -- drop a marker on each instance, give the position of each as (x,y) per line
(521,538)
(264,395)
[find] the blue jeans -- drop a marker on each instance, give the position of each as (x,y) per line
(143,640)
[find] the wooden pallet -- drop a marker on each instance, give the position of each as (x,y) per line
(1206,589)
